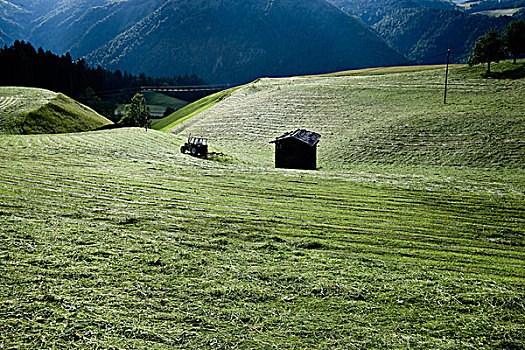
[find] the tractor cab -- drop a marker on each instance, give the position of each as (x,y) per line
(197,146)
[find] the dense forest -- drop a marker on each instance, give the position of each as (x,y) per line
(423,30)
(23,65)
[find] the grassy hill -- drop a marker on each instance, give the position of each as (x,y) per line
(158,102)
(39,111)
(114,239)
(191,110)
(396,118)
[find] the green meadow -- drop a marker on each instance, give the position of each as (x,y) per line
(35,111)
(409,236)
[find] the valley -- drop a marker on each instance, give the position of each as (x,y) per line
(409,235)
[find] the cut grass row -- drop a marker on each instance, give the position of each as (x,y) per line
(43,111)
(396,118)
(191,110)
(115,239)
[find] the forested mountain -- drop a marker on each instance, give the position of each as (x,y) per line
(17,17)
(83,26)
(226,41)
(237,41)
(11,19)
(372,11)
(424,29)
(233,41)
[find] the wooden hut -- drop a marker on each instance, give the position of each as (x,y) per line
(297,150)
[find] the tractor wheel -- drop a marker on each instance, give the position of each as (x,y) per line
(183,149)
(193,151)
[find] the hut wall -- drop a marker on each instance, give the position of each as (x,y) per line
(295,154)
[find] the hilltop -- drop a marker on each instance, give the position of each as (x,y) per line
(396,118)
(39,111)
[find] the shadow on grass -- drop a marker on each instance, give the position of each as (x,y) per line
(517,73)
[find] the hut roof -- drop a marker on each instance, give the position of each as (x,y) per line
(309,137)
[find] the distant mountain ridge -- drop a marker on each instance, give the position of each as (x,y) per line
(238,41)
(232,41)
(423,30)
(226,41)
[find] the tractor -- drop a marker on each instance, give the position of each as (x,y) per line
(197,146)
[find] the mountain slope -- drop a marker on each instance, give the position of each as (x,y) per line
(422,30)
(228,41)
(39,111)
(395,118)
(12,21)
(83,26)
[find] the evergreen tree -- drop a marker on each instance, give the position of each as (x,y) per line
(489,48)
(136,113)
(514,38)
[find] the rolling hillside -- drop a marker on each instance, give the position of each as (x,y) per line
(116,239)
(38,111)
(396,118)
(410,236)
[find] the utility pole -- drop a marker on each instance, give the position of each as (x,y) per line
(446,78)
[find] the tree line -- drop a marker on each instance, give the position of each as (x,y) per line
(23,65)
(493,46)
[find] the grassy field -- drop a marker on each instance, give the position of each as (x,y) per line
(191,110)
(115,239)
(34,111)
(395,118)
(499,13)
(157,104)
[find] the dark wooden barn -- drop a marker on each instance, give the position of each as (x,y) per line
(297,150)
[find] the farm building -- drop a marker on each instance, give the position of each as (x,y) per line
(297,150)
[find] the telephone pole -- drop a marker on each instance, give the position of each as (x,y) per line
(446,78)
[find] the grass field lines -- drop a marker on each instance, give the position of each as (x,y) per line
(8,101)
(376,234)
(357,214)
(396,118)
(115,239)
(7,107)
(358,210)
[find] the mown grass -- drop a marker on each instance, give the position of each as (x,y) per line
(27,99)
(383,70)
(62,115)
(116,240)
(38,111)
(395,118)
(191,110)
